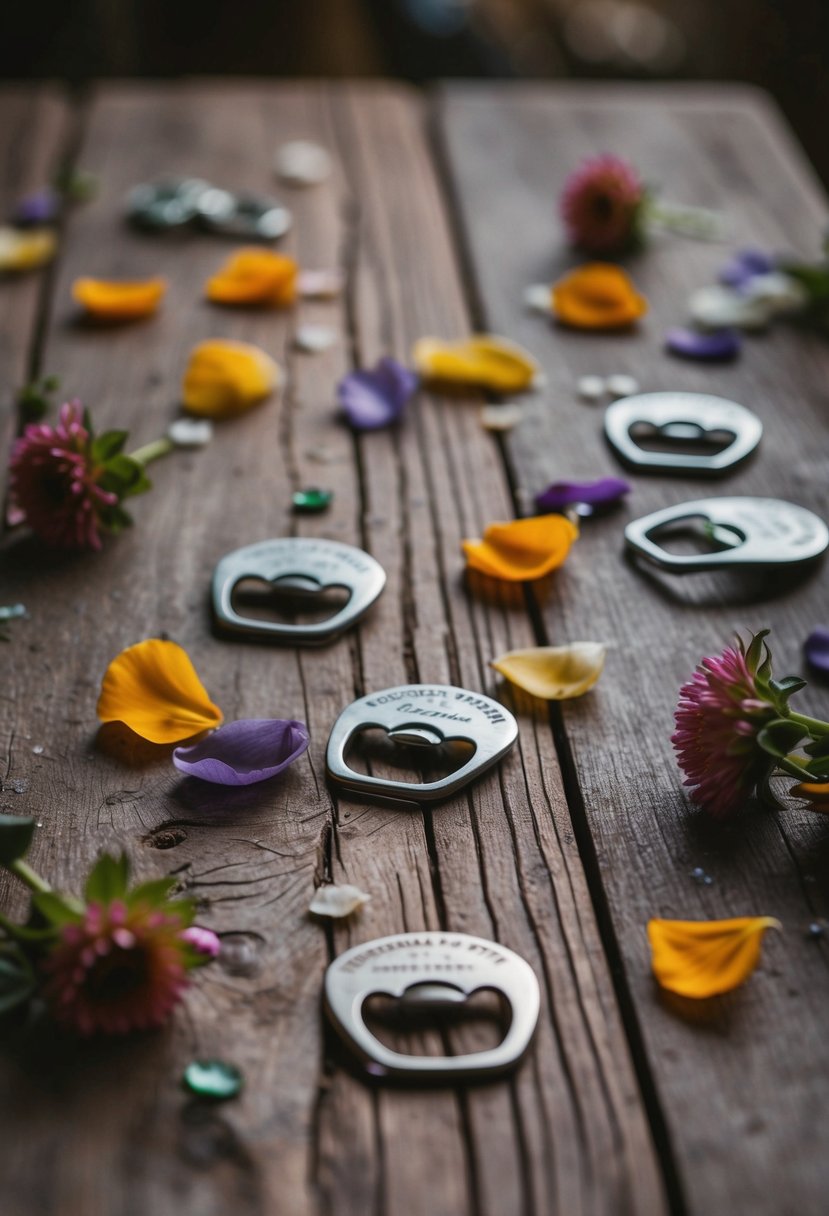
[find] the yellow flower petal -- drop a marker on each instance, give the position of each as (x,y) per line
(554,673)
(26,250)
(483,360)
(816,794)
(119,300)
(225,378)
(523,549)
(153,689)
(255,276)
(597,296)
(700,958)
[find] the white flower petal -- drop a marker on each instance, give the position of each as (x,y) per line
(337,901)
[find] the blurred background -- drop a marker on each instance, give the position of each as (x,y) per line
(779,44)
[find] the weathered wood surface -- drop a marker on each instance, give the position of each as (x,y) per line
(100,1130)
(741,1084)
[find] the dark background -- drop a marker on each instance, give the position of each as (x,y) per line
(779,44)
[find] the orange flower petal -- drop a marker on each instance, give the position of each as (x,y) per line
(816,794)
(598,295)
(701,958)
(523,549)
(225,378)
(484,360)
(153,689)
(255,276)
(118,300)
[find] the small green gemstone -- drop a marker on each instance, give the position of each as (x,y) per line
(308,502)
(213,1079)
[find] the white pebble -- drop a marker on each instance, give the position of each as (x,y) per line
(302,163)
(591,388)
(622,385)
(37,750)
(314,338)
(538,298)
(501,417)
(337,901)
(719,307)
(190,432)
(320,284)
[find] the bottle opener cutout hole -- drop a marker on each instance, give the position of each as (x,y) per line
(695,534)
(415,753)
(437,1019)
(689,433)
(290,600)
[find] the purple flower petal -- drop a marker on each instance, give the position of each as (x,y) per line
(42,207)
(816,650)
(597,494)
(720,344)
(243,752)
(744,265)
(375,398)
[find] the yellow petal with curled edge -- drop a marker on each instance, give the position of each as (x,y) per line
(554,673)
(521,550)
(225,378)
(484,360)
(255,276)
(26,250)
(118,299)
(153,689)
(816,794)
(701,958)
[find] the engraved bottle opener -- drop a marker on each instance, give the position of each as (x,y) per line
(753,532)
(431,970)
(305,567)
(682,418)
(424,715)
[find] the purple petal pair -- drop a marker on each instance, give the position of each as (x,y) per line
(376,397)
(717,346)
(816,650)
(745,265)
(244,752)
(600,495)
(42,207)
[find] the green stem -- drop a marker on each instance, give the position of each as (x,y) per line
(700,223)
(812,725)
(152,451)
(26,874)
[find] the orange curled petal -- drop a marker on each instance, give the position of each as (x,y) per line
(225,378)
(255,276)
(484,360)
(706,957)
(153,689)
(523,549)
(118,300)
(598,295)
(816,794)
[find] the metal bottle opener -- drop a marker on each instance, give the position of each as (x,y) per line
(431,971)
(305,567)
(422,715)
(682,418)
(752,532)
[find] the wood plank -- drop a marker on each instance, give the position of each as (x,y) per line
(569,1133)
(740,1085)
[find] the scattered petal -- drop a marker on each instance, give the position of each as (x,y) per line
(591,388)
(622,385)
(538,297)
(190,432)
(744,266)
(337,901)
(720,344)
(203,941)
(605,492)
(501,417)
(703,958)
(781,293)
(376,397)
(314,338)
(484,360)
(718,307)
(225,378)
(244,752)
(554,673)
(816,650)
(598,295)
(40,207)
(255,276)
(320,284)
(816,794)
(153,689)
(302,163)
(26,250)
(522,550)
(119,300)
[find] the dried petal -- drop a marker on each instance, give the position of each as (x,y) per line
(521,550)
(554,673)
(26,250)
(718,307)
(153,689)
(255,276)
(119,300)
(720,344)
(605,492)
(314,338)
(703,958)
(320,284)
(337,901)
(816,794)
(816,650)
(598,295)
(376,397)
(225,378)
(484,360)
(302,163)
(501,417)
(745,265)
(190,432)
(244,752)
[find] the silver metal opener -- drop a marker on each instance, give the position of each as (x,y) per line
(431,970)
(753,532)
(305,567)
(682,418)
(422,715)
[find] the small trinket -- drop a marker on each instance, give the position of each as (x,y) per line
(213,1079)
(719,307)
(501,417)
(171,202)
(591,388)
(680,419)
(538,297)
(622,385)
(320,284)
(190,432)
(302,163)
(431,971)
(312,501)
(715,346)
(314,338)
(816,650)
(176,202)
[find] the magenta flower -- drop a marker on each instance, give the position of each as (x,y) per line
(203,941)
(602,205)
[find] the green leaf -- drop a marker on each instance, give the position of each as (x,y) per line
(125,477)
(17,984)
(151,893)
(57,909)
(115,519)
(27,933)
(783,689)
(105,446)
(817,747)
(755,649)
(779,736)
(107,880)
(16,835)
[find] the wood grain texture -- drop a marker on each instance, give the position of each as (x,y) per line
(741,1080)
(568,1134)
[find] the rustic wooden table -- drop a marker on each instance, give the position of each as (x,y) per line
(627,1102)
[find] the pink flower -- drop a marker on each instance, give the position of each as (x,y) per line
(203,941)
(54,482)
(721,711)
(601,205)
(122,967)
